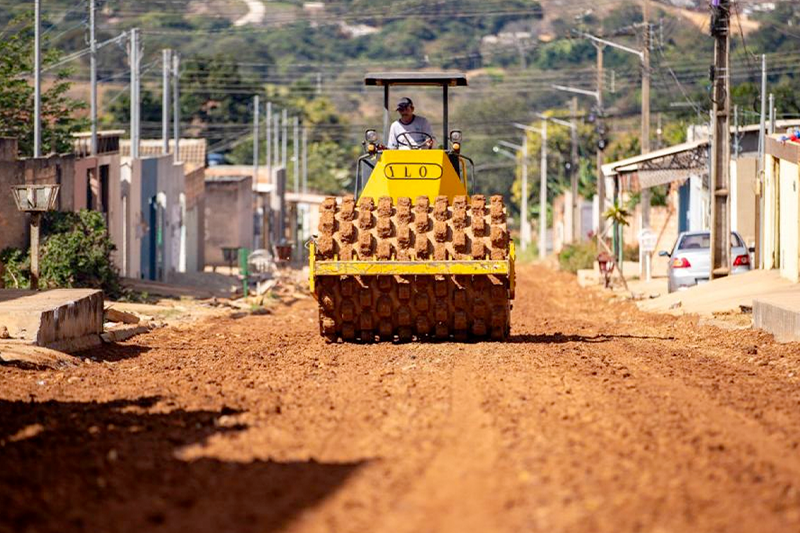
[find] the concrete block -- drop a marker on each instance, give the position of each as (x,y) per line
(70,319)
(778,314)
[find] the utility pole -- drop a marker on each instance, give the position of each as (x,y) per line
(296,152)
(574,171)
(276,140)
(543,194)
(268,125)
(771,113)
(256,124)
(93,74)
(720,156)
(525,227)
(166,60)
(736,132)
(284,138)
(659,133)
(646,79)
(645,192)
(760,161)
(305,160)
(37,80)
(601,143)
(176,102)
(135,99)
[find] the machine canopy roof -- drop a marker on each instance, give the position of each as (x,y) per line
(435,79)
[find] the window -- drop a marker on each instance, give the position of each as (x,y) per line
(702,241)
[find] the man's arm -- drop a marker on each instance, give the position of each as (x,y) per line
(391,143)
(426,128)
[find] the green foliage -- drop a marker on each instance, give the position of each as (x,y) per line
(76,252)
(17,93)
(574,257)
(617,214)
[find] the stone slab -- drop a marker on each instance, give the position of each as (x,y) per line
(58,318)
(778,314)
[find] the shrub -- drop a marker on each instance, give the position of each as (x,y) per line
(75,252)
(576,257)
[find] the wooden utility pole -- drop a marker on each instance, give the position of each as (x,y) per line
(721,145)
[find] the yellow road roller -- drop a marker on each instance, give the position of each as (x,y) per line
(411,255)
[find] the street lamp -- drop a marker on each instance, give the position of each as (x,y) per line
(525,229)
(35,200)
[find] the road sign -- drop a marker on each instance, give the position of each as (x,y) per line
(647,240)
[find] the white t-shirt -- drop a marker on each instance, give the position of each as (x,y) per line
(415,129)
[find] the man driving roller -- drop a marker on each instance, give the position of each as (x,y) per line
(410,131)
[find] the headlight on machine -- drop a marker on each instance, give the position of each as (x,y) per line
(455,140)
(371,136)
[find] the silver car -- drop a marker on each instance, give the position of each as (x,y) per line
(690,259)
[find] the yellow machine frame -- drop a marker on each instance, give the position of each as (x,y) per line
(414,173)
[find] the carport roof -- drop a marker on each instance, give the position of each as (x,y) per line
(664,166)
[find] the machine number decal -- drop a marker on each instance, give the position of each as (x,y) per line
(413,171)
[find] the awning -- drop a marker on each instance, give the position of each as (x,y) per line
(453,79)
(664,166)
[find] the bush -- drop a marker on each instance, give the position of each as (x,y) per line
(631,253)
(75,252)
(576,257)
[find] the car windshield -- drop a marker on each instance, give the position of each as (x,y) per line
(702,241)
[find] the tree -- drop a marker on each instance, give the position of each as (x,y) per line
(214,94)
(59,122)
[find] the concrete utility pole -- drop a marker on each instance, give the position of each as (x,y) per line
(736,132)
(645,141)
(268,125)
(574,172)
(93,74)
(760,162)
(644,57)
(284,138)
(276,140)
(601,144)
(256,124)
(543,194)
(771,113)
(721,146)
(135,98)
(176,104)
(525,226)
(296,153)
(37,80)
(166,60)
(305,160)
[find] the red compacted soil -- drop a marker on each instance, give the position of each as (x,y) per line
(594,418)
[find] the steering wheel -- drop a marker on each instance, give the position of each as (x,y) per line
(406,139)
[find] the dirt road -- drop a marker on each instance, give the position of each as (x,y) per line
(594,418)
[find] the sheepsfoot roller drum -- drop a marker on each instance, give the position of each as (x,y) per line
(414,257)
(413,270)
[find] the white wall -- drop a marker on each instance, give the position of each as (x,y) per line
(788,254)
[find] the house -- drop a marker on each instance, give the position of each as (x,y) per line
(163,209)
(779,203)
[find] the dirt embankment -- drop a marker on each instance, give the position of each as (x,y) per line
(594,417)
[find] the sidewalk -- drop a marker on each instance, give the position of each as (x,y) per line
(725,295)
